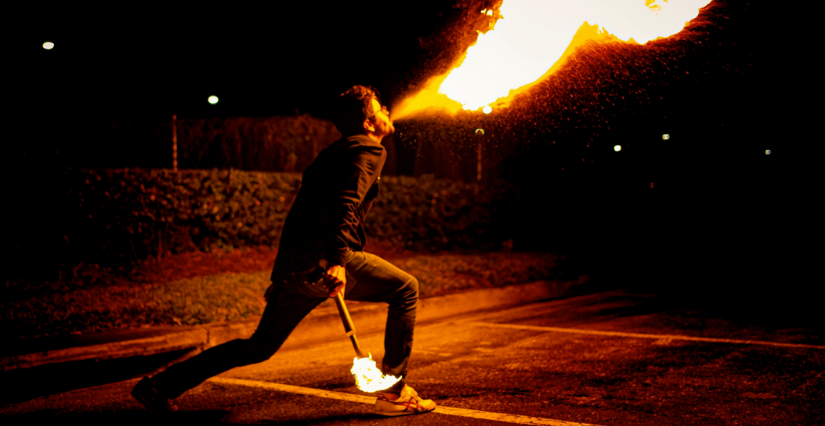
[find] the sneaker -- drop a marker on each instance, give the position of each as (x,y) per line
(148,395)
(407,403)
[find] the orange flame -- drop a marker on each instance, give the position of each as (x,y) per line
(533,37)
(368,377)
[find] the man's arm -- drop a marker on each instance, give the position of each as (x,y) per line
(357,176)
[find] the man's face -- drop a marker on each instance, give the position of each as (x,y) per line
(380,120)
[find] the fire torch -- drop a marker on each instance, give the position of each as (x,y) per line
(367,376)
(349,327)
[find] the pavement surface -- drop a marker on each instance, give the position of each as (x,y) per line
(605,358)
(322,324)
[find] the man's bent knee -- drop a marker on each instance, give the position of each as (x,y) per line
(409,290)
(412,284)
(406,297)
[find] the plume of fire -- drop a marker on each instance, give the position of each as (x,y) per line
(368,377)
(530,41)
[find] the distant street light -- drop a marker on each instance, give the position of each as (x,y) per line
(767,152)
(480,152)
(617,148)
(665,137)
(213,99)
(48,45)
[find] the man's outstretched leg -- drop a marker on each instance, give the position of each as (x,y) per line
(377,280)
(285,309)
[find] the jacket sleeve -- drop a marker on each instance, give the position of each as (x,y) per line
(354,180)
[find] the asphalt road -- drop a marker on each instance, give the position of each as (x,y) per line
(612,358)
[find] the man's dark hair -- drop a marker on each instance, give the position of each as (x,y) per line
(351,109)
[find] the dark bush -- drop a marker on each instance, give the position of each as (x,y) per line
(115,217)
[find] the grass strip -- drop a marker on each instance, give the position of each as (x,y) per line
(234,296)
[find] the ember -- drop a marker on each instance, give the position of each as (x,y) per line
(531,39)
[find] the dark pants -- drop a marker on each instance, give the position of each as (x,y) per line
(369,279)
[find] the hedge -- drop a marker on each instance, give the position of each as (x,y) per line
(113,217)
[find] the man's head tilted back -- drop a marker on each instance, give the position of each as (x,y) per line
(358,111)
(351,109)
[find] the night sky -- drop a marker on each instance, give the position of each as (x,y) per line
(133,61)
(260,60)
(266,60)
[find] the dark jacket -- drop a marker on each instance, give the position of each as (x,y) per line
(328,214)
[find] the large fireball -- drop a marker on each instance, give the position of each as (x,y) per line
(532,38)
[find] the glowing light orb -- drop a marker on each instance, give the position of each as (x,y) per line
(665,137)
(617,148)
(213,99)
(767,152)
(487,109)
(48,45)
(479,132)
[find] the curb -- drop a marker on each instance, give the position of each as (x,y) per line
(322,324)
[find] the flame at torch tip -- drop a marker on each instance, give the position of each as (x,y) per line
(368,377)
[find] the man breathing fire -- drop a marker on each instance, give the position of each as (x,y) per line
(324,227)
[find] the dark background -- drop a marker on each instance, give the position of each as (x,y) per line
(722,219)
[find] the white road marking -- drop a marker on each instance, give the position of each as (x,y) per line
(644,336)
(507,418)
(343,396)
